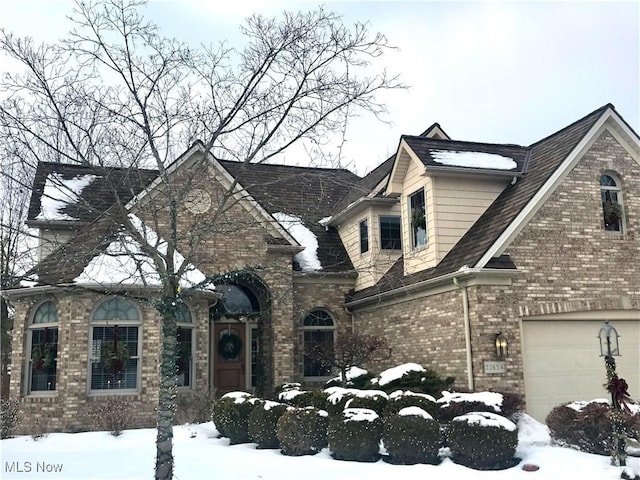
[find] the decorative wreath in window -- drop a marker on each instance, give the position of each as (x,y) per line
(229,346)
(43,357)
(418,219)
(114,356)
(612,211)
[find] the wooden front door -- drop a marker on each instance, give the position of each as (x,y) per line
(229,347)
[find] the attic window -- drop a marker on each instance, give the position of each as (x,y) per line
(417,219)
(364,236)
(611,198)
(390,237)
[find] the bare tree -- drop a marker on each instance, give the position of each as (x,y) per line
(116,92)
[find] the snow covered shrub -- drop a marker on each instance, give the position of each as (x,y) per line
(355,435)
(483,440)
(262,423)
(455,404)
(286,387)
(375,400)
(306,398)
(302,431)
(337,399)
(231,416)
(588,426)
(113,414)
(411,376)
(356,378)
(399,400)
(9,410)
(411,436)
(193,407)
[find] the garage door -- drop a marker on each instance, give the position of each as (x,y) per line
(562,362)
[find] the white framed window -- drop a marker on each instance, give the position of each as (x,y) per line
(115,346)
(417,219)
(364,236)
(184,347)
(612,208)
(318,333)
(43,349)
(390,234)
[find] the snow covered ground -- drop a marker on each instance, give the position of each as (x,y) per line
(200,455)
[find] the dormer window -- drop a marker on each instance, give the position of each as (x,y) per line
(611,203)
(417,219)
(390,235)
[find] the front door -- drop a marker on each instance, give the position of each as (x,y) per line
(229,347)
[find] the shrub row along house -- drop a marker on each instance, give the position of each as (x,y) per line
(495,264)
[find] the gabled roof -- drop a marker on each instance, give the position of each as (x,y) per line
(102,193)
(545,157)
(308,193)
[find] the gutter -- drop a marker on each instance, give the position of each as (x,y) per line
(467,333)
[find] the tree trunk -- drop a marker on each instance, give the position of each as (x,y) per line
(167,391)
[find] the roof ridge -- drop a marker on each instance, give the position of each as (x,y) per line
(445,140)
(301,167)
(92,167)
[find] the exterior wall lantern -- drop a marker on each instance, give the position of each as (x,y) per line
(617,387)
(501,345)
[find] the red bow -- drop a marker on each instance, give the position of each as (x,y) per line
(619,393)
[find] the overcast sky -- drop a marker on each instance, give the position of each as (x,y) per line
(510,72)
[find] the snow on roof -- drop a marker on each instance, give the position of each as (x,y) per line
(31,281)
(491,161)
(415,412)
(395,373)
(124,262)
(491,399)
(308,258)
(59,192)
(486,419)
(359,415)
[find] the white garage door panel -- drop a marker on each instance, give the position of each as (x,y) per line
(562,362)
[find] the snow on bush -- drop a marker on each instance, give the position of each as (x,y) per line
(412,436)
(230,415)
(355,435)
(302,431)
(263,421)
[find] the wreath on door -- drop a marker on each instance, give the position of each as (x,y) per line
(229,346)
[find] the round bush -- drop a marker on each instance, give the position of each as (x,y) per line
(412,436)
(375,400)
(399,400)
(355,435)
(456,404)
(483,440)
(337,399)
(310,398)
(302,431)
(411,376)
(356,378)
(263,420)
(231,416)
(588,426)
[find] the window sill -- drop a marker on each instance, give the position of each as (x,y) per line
(106,393)
(44,396)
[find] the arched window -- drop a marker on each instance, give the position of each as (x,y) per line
(235,301)
(318,339)
(184,345)
(43,340)
(612,210)
(115,346)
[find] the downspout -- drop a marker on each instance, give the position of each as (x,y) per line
(467,333)
(353,319)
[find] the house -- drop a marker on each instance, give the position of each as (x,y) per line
(495,264)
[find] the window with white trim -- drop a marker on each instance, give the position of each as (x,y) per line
(184,346)
(115,346)
(611,197)
(318,334)
(43,343)
(417,219)
(390,235)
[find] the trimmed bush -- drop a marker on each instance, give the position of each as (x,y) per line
(263,420)
(412,436)
(286,387)
(456,404)
(307,398)
(355,435)
(337,399)
(375,400)
(231,416)
(399,400)
(302,431)
(588,426)
(9,410)
(411,376)
(356,378)
(483,440)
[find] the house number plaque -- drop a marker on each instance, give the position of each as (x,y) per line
(494,367)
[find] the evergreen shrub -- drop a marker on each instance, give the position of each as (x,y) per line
(456,404)
(411,436)
(375,400)
(355,435)
(415,378)
(337,398)
(483,440)
(307,398)
(231,416)
(399,400)
(588,426)
(9,410)
(302,431)
(263,420)
(356,378)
